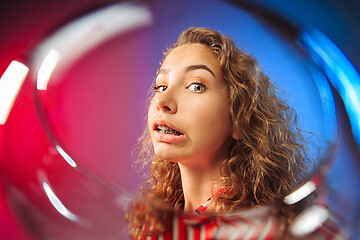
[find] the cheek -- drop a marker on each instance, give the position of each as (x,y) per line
(150,114)
(213,116)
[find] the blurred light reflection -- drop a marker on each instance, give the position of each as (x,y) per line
(309,220)
(300,193)
(340,71)
(66,156)
(57,203)
(10,85)
(46,68)
(73,40)
(327,100)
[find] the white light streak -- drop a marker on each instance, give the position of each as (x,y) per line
(309,220)
(46,68)
(79,36)
(66,156)
(339,70)
(58,204)
(300,193)
(10,85)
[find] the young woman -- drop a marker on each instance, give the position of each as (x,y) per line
(218,138)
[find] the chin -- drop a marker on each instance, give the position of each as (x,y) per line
(167,156)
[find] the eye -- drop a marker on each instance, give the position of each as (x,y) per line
(160,88)
(197,87)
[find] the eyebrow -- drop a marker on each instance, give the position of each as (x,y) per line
(188,69)
(199,66)
(162,71)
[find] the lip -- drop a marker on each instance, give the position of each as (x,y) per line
(167,138)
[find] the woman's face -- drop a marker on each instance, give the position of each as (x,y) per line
(188,117)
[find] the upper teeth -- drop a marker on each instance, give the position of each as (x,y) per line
(166,129)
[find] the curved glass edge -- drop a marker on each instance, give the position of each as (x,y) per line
(53,49)
(328,57)
(68,43)
(340,72)
(10,84)
(72,40)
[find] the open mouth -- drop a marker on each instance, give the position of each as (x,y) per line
(167,130)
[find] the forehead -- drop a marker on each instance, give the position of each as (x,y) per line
(192,54)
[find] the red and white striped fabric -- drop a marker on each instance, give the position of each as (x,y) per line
(257,223)
(179,201)
(234,226)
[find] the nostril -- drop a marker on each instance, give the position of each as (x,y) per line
(165,105)
(163,108)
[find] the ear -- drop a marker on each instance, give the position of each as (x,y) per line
(236,134)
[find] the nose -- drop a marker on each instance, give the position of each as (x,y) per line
(165,102)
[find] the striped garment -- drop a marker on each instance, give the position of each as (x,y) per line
(257,223)
(179,201)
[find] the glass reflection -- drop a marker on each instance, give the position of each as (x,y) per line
(300,193)
(46,68)
(55,201)
(66,156)
(10,85)
(340,71)
(309,220)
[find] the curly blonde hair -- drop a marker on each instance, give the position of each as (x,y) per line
(267,161)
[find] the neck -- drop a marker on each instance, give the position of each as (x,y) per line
(198,184)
